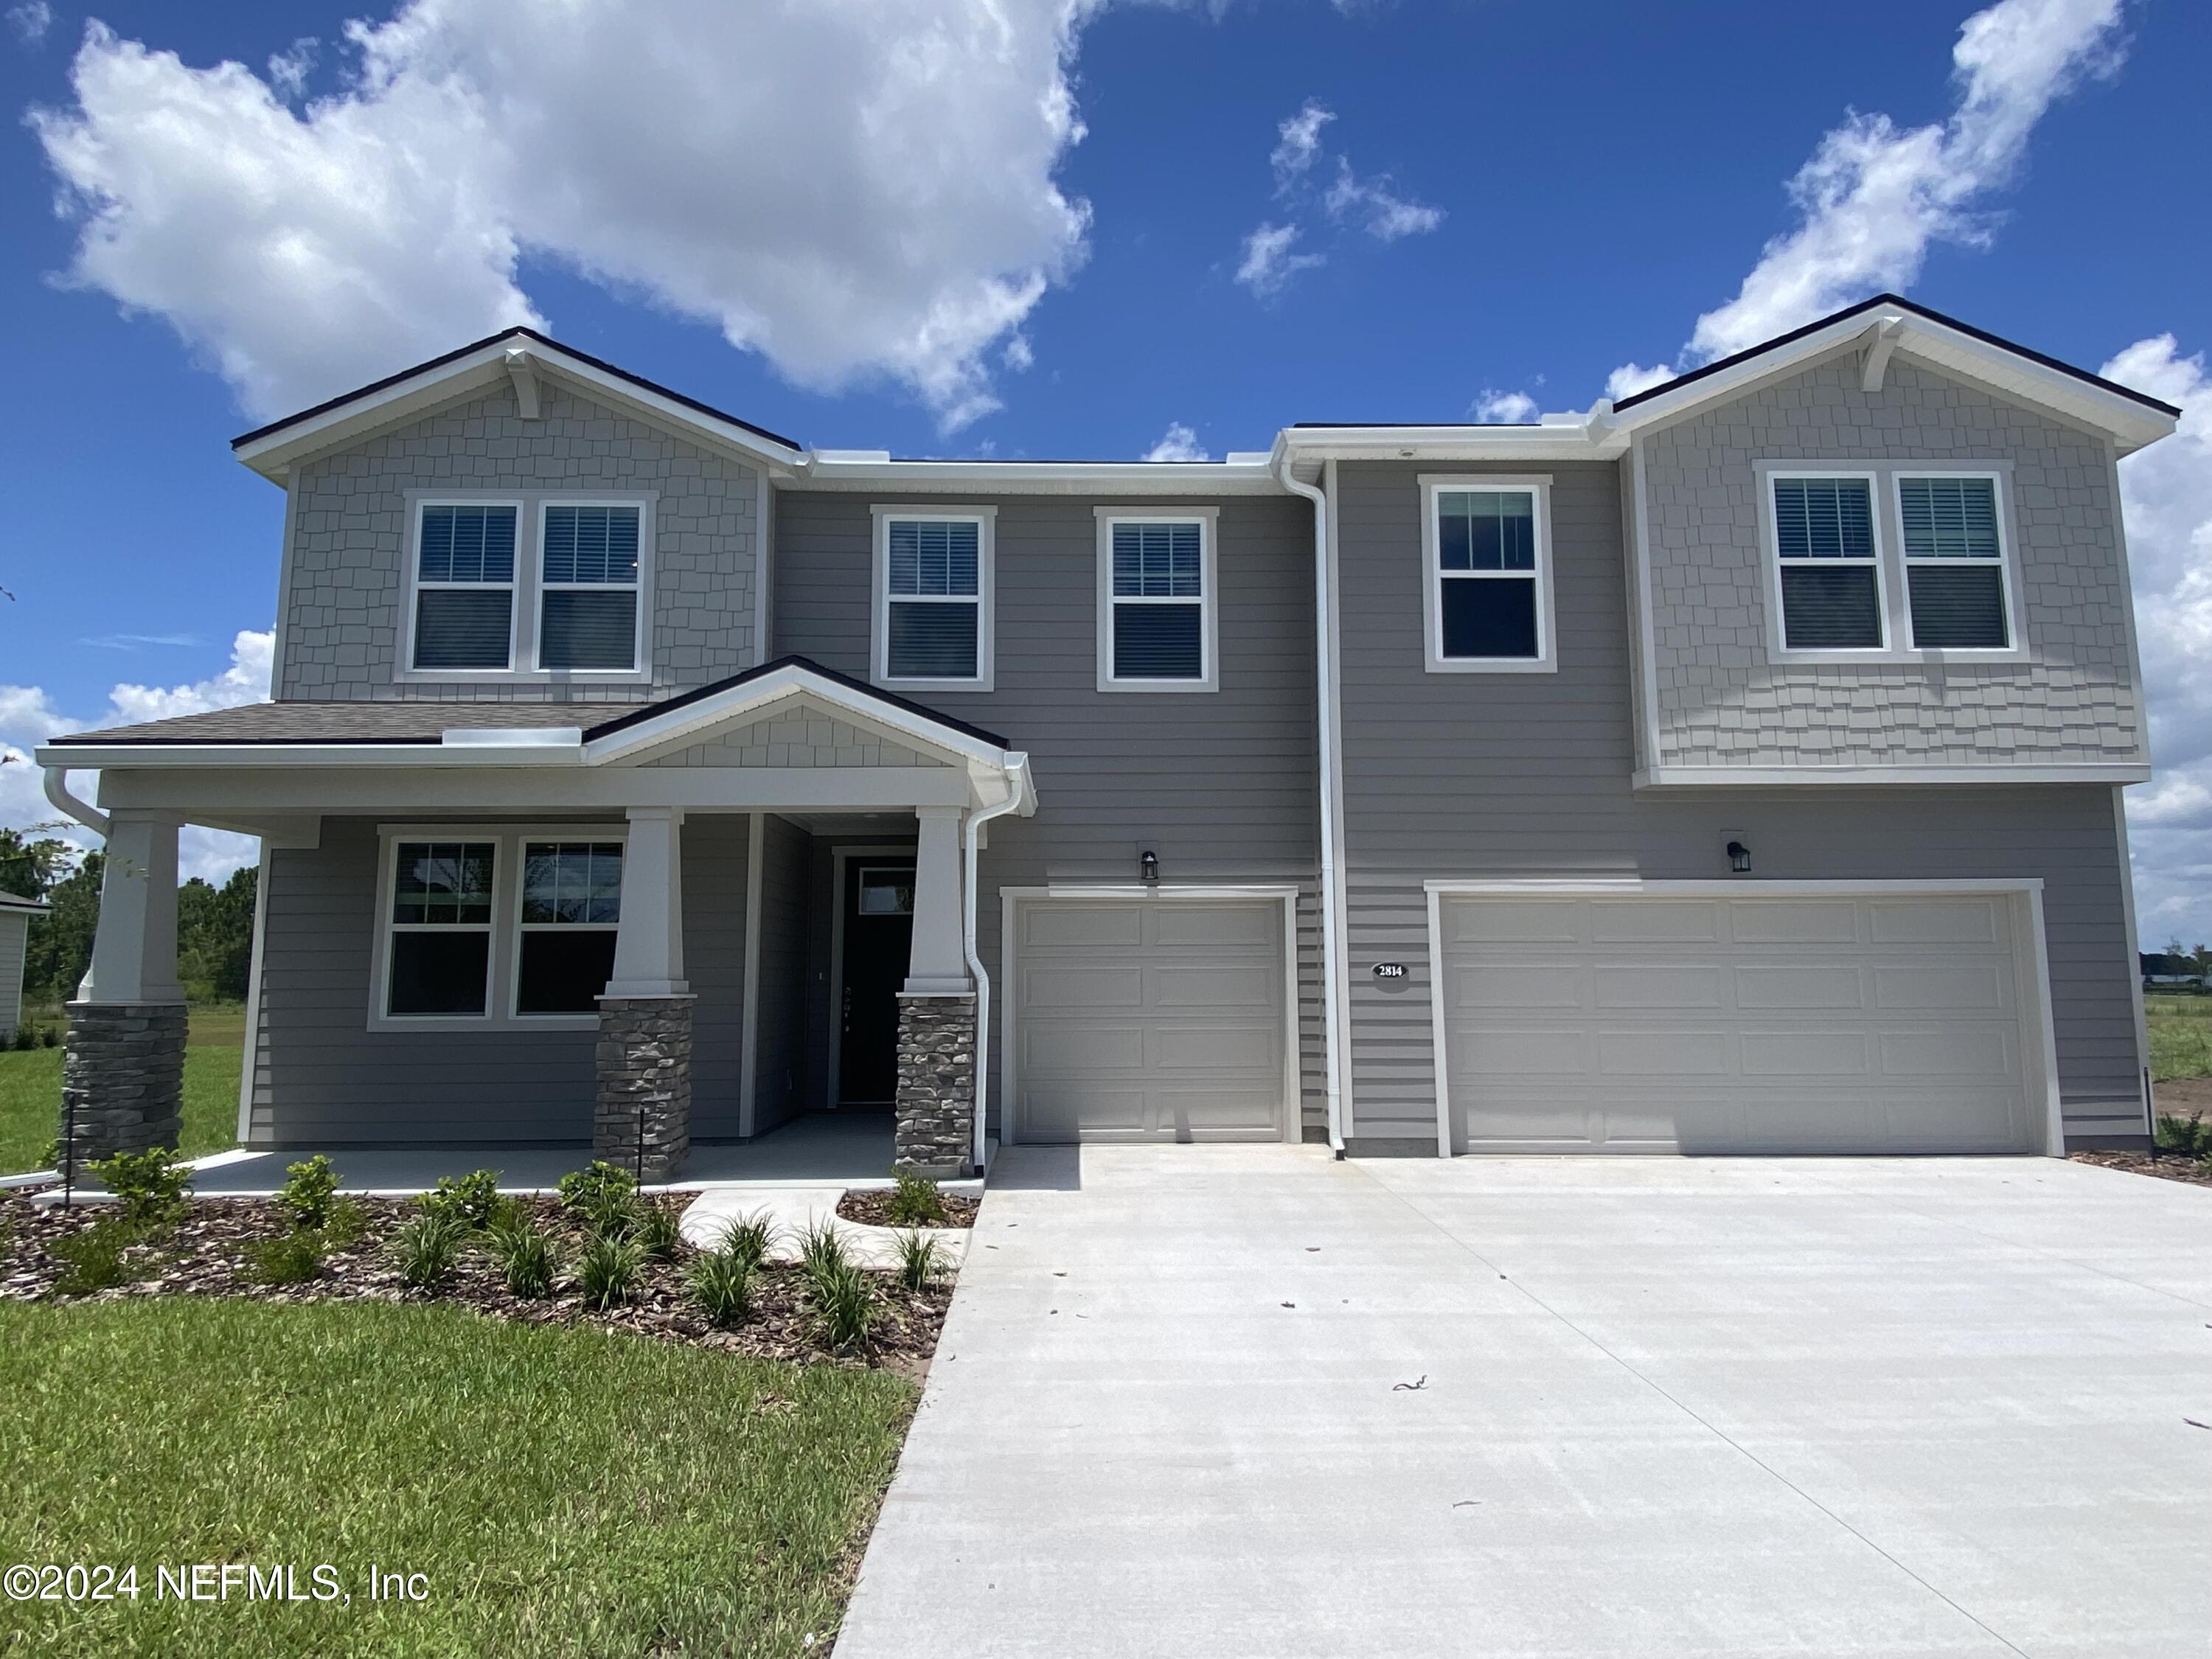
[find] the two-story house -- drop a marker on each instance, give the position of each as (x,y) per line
(1736,768)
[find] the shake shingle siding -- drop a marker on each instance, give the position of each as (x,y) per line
(1528,776)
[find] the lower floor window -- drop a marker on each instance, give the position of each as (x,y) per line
(571,900)
(442,899)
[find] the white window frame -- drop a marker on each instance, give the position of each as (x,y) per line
(1770,540)
(1207,518)
(2008,575)
(1893,569)
(503,973)
(1434,576)
(525,610)
(985,519)
(416,507)
(541,588)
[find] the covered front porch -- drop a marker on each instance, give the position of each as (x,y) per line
(675,939)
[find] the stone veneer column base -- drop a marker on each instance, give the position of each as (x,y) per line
(644,1084)
(123,1079)
(936,1133)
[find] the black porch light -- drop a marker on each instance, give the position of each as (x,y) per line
(1739,858)
(1148,867)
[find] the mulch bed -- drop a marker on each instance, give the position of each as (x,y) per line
(874,1208)
(206,1254)
(2167,1166)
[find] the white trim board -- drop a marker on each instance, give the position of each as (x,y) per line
(1997,772)
(1008,979)
(2031,952)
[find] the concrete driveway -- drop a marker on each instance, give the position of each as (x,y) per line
(1248,1401)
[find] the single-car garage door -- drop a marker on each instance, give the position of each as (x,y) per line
(1830,1023)
(1149,1019)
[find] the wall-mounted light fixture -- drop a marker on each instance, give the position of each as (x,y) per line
(1148,867)
(1739,858)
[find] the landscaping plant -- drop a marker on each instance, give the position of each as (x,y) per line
(748,1238)
(598,1196)
(915,1202)
(2191,1134)
(917,1259)
(844,1305)
(344,1223)
(473,1200)
(608,1269)
(722,1285)
(657,1230)
(150,1186)
(293,1259)
(427,1247)
(95,1257)
(308,1187)
(529,1256)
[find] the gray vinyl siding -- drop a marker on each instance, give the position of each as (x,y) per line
(780,1060)
(14,929)
(343,618)
(1220,784)
(1722,701)
(322,1078)
(1522,775)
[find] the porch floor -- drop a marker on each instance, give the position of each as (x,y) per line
(843,1149)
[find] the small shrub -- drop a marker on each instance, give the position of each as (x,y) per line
(427,1247)
(608,1269)
(917,1259)
(50,1155)
(597,1196)
(915,1202)
(748,1239)
(529,1257)
(844,1302)
(95,1257)
(2176,1134)
(657,1229)
(508,1212)
(294,1259)
(346,1224)
(307,1190)
(722,1285)
(473,1200)
(821,1249)
(150,1186)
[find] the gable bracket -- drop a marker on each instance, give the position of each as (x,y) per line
(523,371)
(1880,349)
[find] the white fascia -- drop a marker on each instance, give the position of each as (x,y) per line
(874,470)
(468,752)
(1594,436)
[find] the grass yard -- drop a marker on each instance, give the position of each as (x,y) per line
(30,1088)
(2180,1036)
(563,1492)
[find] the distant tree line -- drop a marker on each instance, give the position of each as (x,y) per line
(215,925)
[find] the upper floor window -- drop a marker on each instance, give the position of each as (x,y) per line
(587,591)
(1486,599)
(1955,579)
(932,597)
(483,605)
(464,584)
(1156,630)
(1829,563)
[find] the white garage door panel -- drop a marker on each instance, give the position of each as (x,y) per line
(1845,1024)
(1149,1019)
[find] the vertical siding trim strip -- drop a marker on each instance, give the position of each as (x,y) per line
(1644,644)
(2135,952)
(749,1032)
(1338,991)
(254,971)
(1437,1021)
(2038,968)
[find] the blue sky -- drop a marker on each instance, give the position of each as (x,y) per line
(1578,186)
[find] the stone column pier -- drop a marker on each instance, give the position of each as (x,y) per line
(641,1120)
(936,1108)
(123,1072)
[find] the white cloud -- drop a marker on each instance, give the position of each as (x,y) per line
(1178,443)
(1375,208)
(1513,407)
(859,191)
(31,20)
(1300,143)
(289,70)
(1632,378)
(1268,262)
(1875,197)
(28,717)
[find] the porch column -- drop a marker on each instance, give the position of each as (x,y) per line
(122,1072)
(936,1106)
(642,1121)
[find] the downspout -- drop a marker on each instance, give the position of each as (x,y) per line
(1332,947)
(1016,776)
(69,805)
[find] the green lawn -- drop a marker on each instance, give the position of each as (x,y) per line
(2180,1036)
(30,1088)
(563,1492)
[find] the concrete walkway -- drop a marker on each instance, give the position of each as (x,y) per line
(1248,1401)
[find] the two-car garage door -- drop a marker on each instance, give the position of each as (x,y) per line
(1148,1019)
(1821,1023)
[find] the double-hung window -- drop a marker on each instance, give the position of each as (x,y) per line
(1828,560)
(438,956)
(571,902)
(587,585)
(1954,562)
(464,584)
(1156,603)
(1487,588)
(932,597)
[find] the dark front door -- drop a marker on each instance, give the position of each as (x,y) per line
(878,904)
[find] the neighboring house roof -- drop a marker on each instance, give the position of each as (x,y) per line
(19,905)
(428,722)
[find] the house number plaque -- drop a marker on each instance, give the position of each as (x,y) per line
(1390,970)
